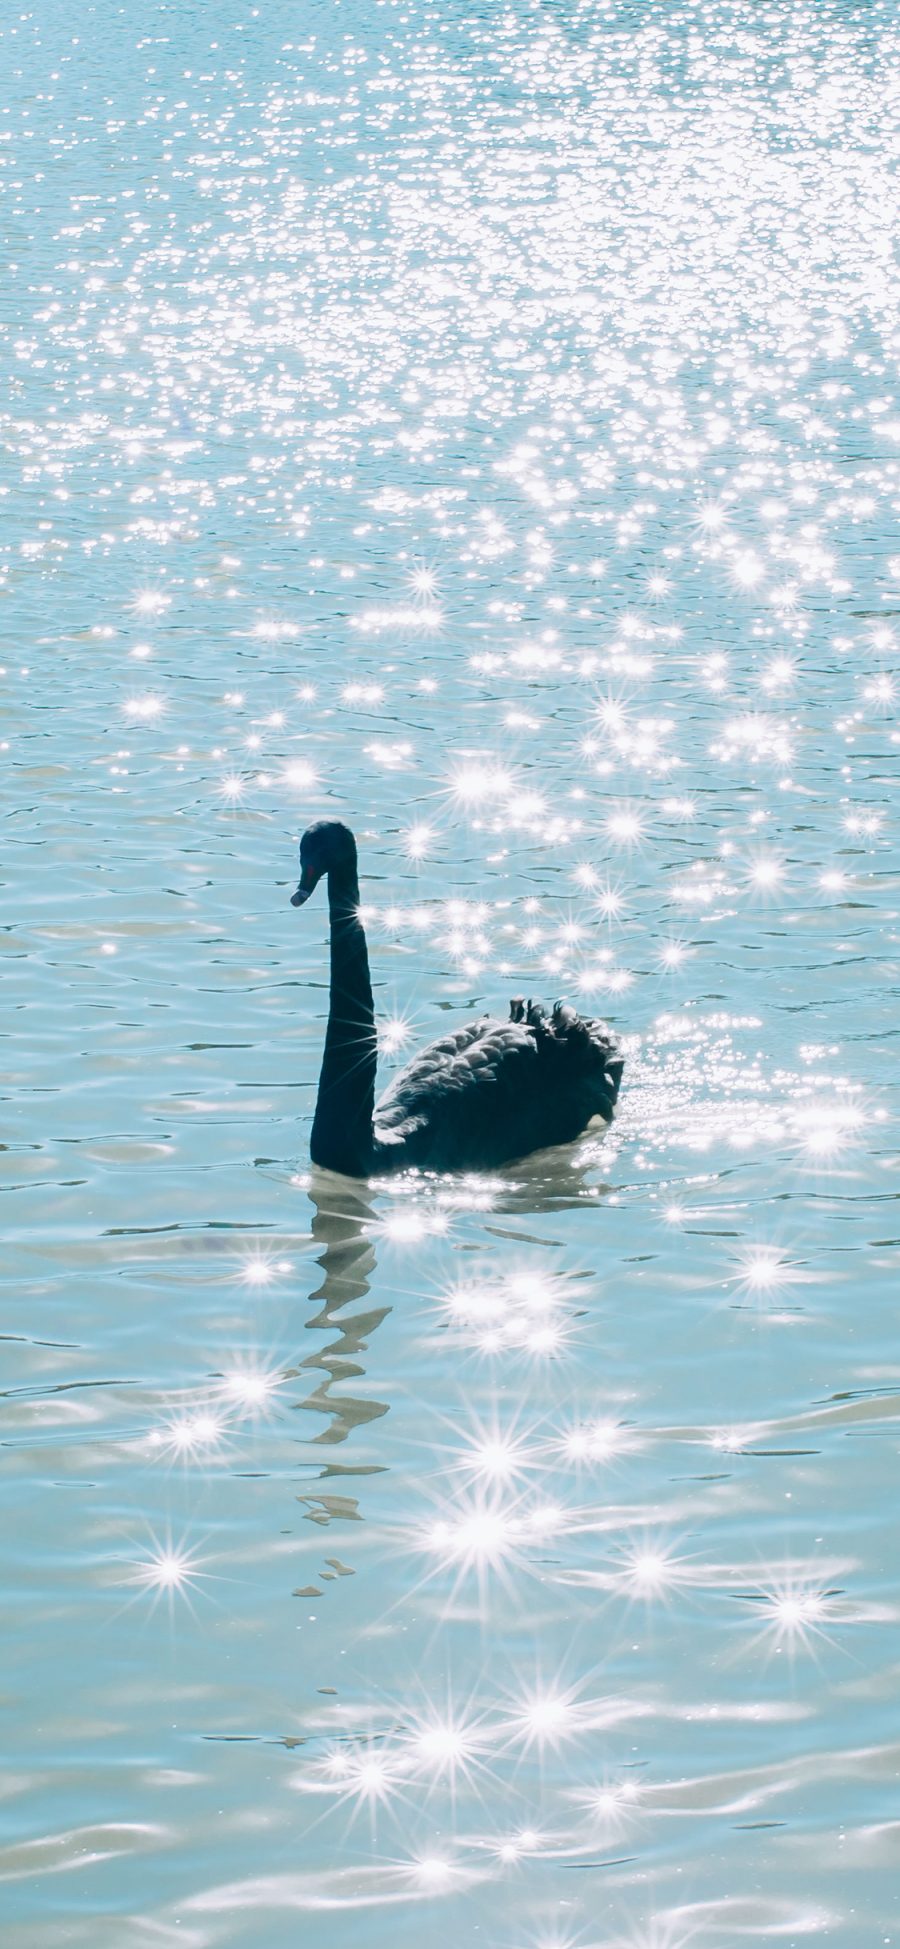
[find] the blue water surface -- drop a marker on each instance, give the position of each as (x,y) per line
(482,424)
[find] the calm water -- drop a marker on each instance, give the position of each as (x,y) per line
(483,424)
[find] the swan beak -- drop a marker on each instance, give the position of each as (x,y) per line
(309,880)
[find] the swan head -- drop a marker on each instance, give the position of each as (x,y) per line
(327,846)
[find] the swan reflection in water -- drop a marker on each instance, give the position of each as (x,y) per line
(342,1225)
(349,1215)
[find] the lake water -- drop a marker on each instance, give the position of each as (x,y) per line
(482,424)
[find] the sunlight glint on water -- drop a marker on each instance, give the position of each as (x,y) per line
(484,425)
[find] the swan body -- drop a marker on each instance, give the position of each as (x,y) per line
(485,1094)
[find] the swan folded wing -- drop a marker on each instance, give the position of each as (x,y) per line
(494,1091)
(448,1097)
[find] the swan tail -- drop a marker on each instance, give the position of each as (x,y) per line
(578,1055)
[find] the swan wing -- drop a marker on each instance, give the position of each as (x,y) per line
(491,1091)
(445,1089)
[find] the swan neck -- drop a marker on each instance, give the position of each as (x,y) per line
(343,895)
(342,1127)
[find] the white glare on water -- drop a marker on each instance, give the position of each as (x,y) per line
(764,1270)
(191,1435)
(299,775)
(169,1571)
(792,1614)
(598,1442)
(144,709)
(250,1387)
(650,1572)
(479,1535)
(481,425)
(263,1269)
(419,841)
(546,1716)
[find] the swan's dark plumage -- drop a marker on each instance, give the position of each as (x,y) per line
(479,1097)
(492,1091)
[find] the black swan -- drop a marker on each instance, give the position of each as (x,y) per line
(487,1093)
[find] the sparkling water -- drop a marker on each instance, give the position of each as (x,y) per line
(483,424)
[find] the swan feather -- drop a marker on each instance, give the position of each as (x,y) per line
(491,1091)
